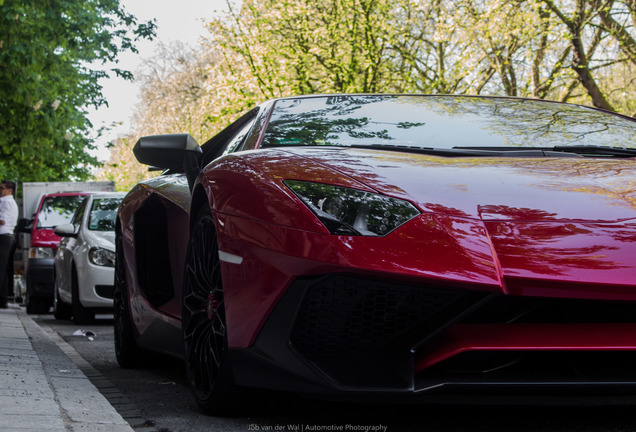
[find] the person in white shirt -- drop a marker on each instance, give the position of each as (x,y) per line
(8,220)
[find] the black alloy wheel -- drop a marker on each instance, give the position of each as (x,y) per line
(204,325)
(126,351)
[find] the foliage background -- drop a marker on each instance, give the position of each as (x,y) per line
(51,53)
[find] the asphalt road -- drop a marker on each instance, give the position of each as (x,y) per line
(160,397)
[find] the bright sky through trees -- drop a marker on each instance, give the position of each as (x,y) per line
(176,21)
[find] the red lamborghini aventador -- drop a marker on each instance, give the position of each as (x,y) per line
(406,247)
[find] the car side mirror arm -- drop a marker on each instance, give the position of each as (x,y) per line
(192,167)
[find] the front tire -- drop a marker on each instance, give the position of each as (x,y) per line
(126,351)
(81,315)
(204,325)
(61,311)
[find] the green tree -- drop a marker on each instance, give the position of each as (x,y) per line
(550,49)
(516,45)
(180,92)
(601,38)
(176,89)
(304,46)
(613,18)
(52,56)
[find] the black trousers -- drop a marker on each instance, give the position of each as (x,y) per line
(7,248)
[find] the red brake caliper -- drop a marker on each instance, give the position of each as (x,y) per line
(212,304)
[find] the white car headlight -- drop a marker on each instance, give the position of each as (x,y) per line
(101,257)
(346,211)
(41,252)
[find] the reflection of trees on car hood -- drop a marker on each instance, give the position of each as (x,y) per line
(569,188)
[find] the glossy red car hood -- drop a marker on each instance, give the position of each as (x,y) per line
(521,189)
(570,220)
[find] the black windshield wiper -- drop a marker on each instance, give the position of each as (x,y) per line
(468,151)
(572,150)
(592,151)
(556,151)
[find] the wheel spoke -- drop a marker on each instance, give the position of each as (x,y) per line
(204,328)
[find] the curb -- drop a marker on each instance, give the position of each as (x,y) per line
(47,386)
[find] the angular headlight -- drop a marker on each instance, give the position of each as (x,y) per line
(101,257)
(346,211)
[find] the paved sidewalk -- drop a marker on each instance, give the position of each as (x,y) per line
(41,389)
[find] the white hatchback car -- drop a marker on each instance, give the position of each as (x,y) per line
(85,259)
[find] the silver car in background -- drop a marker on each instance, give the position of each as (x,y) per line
(85,259)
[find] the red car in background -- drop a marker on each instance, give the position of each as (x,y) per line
(387,247)
(53,210)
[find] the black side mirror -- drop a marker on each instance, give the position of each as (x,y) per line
(24,226)
(177,152)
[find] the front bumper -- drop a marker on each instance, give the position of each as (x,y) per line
(337,335)
(40,278)
(96,286)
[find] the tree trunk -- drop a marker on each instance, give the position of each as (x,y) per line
(581,67)
(619,32)
(631,5)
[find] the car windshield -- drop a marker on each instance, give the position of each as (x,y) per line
(442,122)
(103,214)
(58,210)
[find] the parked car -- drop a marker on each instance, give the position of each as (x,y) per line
(53,209)
(387,247)
(85,259)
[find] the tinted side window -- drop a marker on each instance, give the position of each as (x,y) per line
(228,140)
(79,214)
(238,138)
